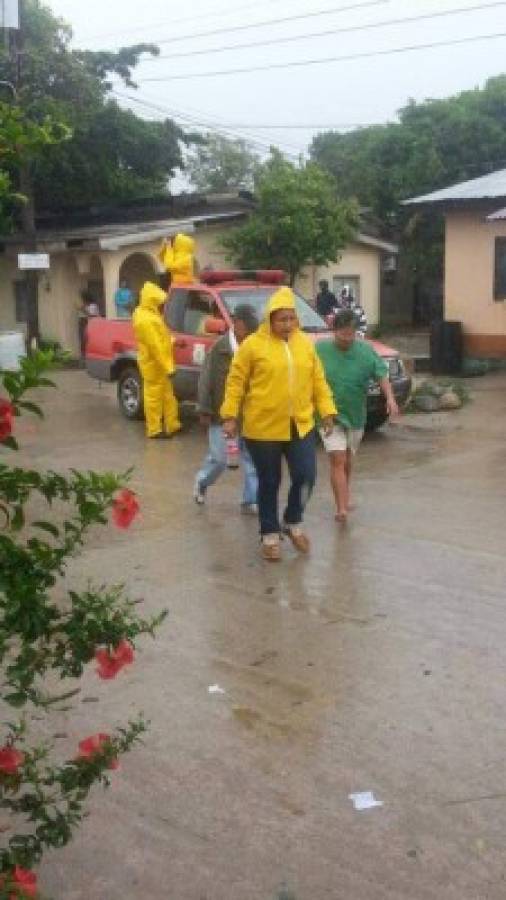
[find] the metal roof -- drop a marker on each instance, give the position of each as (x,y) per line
(498,216)
(488,187)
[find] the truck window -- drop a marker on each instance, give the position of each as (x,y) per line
(175,309)
(199,307)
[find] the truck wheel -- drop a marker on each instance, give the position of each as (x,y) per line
(130,393)
(375,421)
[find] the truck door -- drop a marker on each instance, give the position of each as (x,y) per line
(187,314)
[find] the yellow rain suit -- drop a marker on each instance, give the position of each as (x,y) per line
(156,362)
(276,382)
(178,259)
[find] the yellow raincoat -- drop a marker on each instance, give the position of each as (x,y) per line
(178,259)
(156,362)
(276,382)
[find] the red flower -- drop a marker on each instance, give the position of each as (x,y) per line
(6,414)
(110,662)
(125,508)
(95,744)
(10,760)
(23,879)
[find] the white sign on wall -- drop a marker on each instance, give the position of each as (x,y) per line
(9,13)
(33,260)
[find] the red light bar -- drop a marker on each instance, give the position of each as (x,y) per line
(261,276)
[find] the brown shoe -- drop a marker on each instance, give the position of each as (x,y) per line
(299,540)
(271,549)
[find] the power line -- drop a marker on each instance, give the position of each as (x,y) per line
(209,15)
(211,126)
(298,17)
(328,59)
(333,31)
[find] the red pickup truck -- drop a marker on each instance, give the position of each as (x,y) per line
(196,315)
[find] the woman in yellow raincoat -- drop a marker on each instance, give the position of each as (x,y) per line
(178,258)
(276,379)
(156,363)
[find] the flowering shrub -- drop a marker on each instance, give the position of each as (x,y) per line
(48,628)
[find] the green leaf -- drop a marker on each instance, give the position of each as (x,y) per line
(10,442)
(18,519)
(17,699)
(47,526)
(31,407)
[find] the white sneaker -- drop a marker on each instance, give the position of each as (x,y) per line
(199,493)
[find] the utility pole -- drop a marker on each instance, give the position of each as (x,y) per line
(27,217)
(13,21)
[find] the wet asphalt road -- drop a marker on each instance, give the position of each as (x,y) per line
(378,663)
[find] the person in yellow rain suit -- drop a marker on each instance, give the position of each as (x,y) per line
(156,363)
(178,258)
(277,381)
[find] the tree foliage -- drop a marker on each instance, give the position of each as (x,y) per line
(21,139)
(435,143)
(49,633)
(112,153)
(220,164)
(298,219)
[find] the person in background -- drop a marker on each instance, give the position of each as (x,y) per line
(347,301)
(156,363)
(178,258)
(325,300)
(349,365)
(124,301)
(210,397)
(276,379)
(87,310)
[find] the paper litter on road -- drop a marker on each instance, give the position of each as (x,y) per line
(215,689)
(364,800)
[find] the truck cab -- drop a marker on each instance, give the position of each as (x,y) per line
(197,314)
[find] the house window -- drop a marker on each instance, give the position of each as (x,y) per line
(347,281)
(500,269)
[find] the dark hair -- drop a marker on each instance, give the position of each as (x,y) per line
(246,314)
(323,283)
(345,318)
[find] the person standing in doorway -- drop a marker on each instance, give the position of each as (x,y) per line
(347,301)
(156,363)
(124,301)
(210,397)
(276,379)
(349,365)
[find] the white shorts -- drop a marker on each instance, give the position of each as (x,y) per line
(342,439)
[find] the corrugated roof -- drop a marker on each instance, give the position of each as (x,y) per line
(498,216)
(488,187)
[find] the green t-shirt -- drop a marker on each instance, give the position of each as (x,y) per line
(348,373)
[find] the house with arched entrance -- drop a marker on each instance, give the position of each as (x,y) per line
(93,251)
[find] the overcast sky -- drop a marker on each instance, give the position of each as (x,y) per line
(330,94)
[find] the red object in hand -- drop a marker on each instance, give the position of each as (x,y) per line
(23,879)
(10,760)
(93,745)
(6,414)
(110,662)
(125,508)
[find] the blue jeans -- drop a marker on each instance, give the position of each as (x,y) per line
(300,454)
(215,464)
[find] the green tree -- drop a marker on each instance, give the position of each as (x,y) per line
(112,154)
(297,220)
(434,144)
(20,140)
(220,164)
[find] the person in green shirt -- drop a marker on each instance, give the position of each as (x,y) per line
(349,365)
